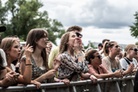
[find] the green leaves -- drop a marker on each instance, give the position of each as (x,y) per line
(24,15)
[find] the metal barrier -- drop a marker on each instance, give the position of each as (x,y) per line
(124,84)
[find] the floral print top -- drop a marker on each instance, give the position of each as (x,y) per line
(69,66)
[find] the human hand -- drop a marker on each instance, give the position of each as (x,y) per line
(93,78)
(118,73)
(66,81)
(49,74)
(28,50)
(36,83)
(10,79)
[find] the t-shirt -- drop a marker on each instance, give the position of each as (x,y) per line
(124,64)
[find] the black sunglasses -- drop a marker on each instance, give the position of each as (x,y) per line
(99,56)
(79,35)
(135,49)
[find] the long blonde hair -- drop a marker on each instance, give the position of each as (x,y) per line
(63,43)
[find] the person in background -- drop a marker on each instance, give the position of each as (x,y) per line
(94,64)
(11,47)
(136,82)
(100,46)
(48,47)
(131,52)
(112,49)
(55,50)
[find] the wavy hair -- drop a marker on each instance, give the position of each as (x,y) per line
(63,43)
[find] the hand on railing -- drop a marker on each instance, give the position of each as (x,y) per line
(9,79)
(36,83)
(93,78)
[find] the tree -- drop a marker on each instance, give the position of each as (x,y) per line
(25,15)
(134,27)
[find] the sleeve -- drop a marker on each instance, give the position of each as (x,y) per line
(106,64)
(123,63)
(4,57)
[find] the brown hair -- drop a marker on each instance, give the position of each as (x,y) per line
(63,43)
(73,28)
(33,36)
(108,45)
(7,43)
(90,55)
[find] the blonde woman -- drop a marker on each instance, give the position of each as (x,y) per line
(11,46)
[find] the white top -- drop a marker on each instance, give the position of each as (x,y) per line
(125,65)
(4,57)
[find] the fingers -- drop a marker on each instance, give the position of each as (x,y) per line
(93,78)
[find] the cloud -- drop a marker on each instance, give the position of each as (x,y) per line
(99,18)
(97,13)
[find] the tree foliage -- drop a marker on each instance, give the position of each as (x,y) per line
(134,27)
(23,15)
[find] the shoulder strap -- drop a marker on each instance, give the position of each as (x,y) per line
(127,60)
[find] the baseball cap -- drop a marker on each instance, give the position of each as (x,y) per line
(2,28)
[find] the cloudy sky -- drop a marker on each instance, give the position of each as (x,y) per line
(99,18)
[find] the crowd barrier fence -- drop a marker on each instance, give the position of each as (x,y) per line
(124,84)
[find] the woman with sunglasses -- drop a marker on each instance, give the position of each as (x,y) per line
(112,49)
(94,60)
(70,63)
(131,52)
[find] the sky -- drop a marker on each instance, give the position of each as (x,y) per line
(99,18)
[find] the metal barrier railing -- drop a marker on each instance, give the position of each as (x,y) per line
(102,85)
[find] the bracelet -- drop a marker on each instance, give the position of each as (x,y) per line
(28,64)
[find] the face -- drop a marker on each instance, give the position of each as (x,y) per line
(133,51)
(74,40)
(49,46)
(115,49)
(97,59)
(14,52)
(42,42)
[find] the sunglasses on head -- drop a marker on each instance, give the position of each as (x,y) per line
(135,49)
(79,35)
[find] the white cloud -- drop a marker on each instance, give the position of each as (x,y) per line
(99,18)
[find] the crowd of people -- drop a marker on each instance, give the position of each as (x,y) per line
(37,62)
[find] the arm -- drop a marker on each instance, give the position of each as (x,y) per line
(46,75)
(26,66)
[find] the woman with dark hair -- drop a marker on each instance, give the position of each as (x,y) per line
(94,60)
(38,38)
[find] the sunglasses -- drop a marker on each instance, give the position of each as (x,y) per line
(99,56)
(79,35)
(117,46)
(135,49)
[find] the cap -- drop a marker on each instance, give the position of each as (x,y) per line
(2,28)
